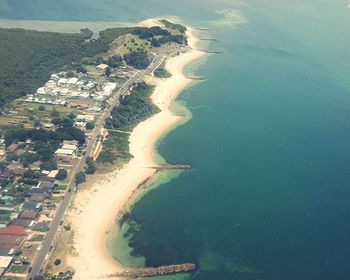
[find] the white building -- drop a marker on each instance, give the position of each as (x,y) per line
(72,81)
(41,90)
(87,118)
(109,88)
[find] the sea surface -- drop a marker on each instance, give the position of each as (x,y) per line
(269,141)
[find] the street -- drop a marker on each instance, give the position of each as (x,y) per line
(62,208)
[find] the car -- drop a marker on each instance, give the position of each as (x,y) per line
(69,190)
(30,269)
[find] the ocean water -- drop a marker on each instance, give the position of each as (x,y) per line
(269,141)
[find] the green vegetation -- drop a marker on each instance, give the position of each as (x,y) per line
(161,73)
(90,125)
(62,174)
(179,39)
(55,199)
(37,237)
(90,166)
(147,33)
(18,268)
(60,276)
(115,148)
(28,57)
(80,178)
(65,133)
(57,262)
(138,59)
(173,26)
(132,109)
(159,36)
(115,61)
(60,187)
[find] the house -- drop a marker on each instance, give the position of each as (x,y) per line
(48,185)
(41,91)
(17,171)
(5,263)
(87,118)
(5,175)
(52,174)
(46,178)
(62,81)
(29,215)
(108,88)
(32,206)
(20,222)
(44,188)
(102,67)
(12,148)
(69,147)
(9,242)
(71,142)
(2,152)
(13,230)
(39,191)
(66,152)
(48,125)
(72,81)
(37,198)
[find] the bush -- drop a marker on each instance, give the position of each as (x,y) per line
(57,262)
(115,61)
(80,178)
(62,174)
(90,125)
(155,43)
(49,165)
(11,157)
(90,168)
(138,59)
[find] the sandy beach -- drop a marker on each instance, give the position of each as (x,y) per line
(95,208)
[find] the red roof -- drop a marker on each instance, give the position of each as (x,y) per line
(13,230)
(12,147)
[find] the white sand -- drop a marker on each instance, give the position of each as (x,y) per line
(95,210)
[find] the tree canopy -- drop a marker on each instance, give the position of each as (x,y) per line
(29,57)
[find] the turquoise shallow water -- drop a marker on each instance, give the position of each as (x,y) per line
(268,197)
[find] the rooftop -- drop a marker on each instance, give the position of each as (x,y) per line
(5,261)
(102,66)
(13,147)
(64,152)
(69,147)
(31,215)
(13,230)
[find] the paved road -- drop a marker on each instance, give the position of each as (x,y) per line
(62,208)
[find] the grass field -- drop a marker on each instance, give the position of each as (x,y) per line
(18,268)
(37,237)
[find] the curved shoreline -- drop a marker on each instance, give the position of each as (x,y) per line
(96,208)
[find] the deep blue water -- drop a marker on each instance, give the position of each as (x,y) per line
(268,197)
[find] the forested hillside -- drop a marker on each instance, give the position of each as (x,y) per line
(27,58)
